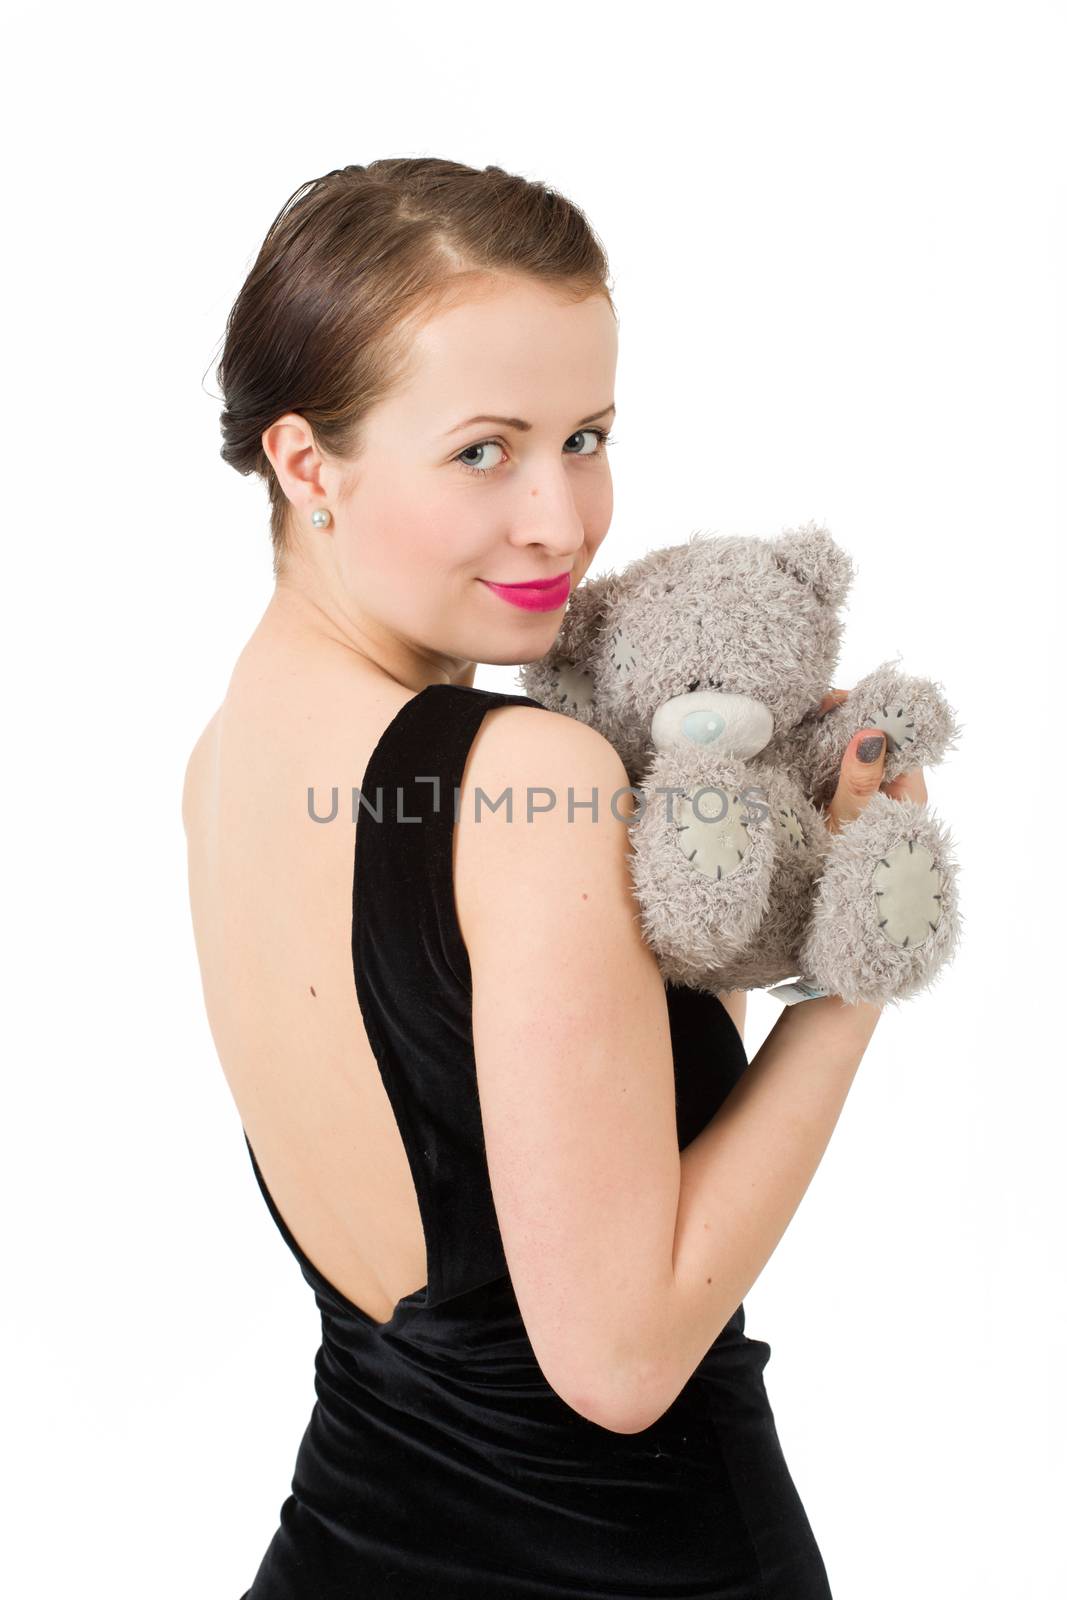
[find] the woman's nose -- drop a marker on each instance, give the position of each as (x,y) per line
(550,515)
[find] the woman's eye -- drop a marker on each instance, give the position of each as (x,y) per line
(482,470)
(472,449)
(599,438)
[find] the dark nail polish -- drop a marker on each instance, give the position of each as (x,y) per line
(870,749)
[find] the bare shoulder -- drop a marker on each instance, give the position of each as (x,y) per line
(552,758)
(543,814)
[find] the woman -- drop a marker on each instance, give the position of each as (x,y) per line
(528,1183)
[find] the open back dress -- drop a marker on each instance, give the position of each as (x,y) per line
(437,1463)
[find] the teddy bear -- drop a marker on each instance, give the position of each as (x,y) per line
(705,665)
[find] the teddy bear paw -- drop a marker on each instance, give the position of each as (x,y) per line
(897,722)
(908,888)
(716,846)
(885,917)
(571,688)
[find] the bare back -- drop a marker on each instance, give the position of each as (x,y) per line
(271,897)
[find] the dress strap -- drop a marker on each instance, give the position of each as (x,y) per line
(413,978)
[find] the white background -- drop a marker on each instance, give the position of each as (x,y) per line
(836,234)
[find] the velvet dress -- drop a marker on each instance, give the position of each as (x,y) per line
(437,1462)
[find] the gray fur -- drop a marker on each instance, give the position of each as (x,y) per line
(704,664)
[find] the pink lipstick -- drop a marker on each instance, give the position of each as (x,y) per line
(543,594)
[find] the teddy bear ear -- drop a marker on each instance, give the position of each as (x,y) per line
(812,556)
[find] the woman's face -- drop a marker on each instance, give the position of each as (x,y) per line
(437,507)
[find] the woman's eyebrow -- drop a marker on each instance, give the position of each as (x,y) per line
(517,422)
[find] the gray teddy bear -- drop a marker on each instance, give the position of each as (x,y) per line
(704,664)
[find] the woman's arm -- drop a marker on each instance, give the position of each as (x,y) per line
(744,1175)
(627,1255)
(743,1178)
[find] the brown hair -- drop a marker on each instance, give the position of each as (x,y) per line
(351,264)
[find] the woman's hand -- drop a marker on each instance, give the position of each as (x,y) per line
(862,770)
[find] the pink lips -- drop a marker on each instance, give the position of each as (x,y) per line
(543,594)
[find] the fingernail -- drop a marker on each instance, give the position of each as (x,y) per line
(870,749)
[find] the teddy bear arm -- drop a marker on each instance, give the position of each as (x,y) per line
(911,712)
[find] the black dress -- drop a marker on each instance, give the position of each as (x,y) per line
(438,1463)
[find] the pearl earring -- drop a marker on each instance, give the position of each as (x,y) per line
(320,518)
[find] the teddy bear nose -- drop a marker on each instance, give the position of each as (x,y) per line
(703,727)
(726,724)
